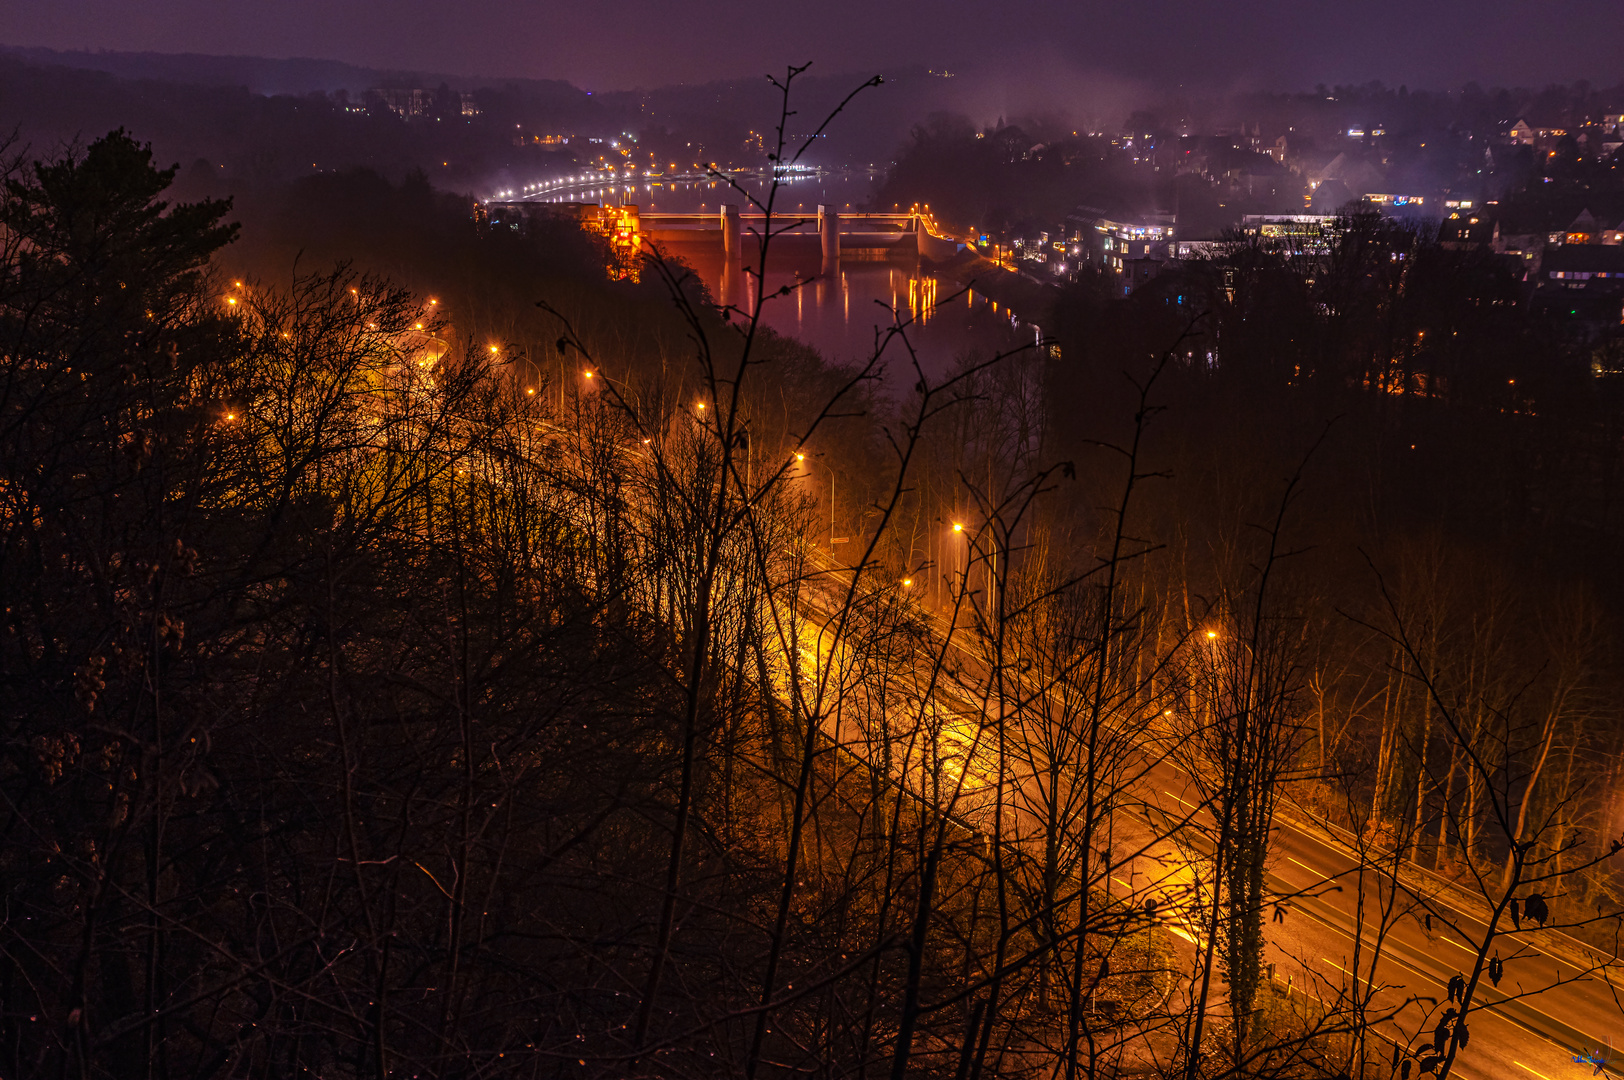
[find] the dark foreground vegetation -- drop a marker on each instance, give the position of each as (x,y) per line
(402,678)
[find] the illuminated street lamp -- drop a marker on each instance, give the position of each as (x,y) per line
(800,456)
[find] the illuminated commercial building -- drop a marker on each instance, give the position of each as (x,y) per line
(1134,249)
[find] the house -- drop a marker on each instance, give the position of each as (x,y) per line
(1582,229)
(1109,241)
(1465,228)
(1357,175)
(1520,133)
(1583,285)
(1293,234)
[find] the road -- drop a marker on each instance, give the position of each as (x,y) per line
(1543,1018)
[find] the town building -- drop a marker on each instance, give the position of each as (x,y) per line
(411,102)
(1113,243)
(1582,285)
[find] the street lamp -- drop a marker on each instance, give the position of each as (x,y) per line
(800,456)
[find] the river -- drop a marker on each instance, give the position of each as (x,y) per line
(838,316)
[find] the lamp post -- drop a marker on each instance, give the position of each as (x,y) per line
(991,559)
(800,457)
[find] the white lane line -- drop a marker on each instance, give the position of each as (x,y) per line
(1305,866)
(1500,1009)
(1345,971)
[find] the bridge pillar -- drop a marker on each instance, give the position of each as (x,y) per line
(732,258)
(731,235)
(829,233)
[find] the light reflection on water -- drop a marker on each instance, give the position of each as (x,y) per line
(841,316)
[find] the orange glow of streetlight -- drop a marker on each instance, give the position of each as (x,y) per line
(700,406)
(958,527)
(588,374)
(231,416)
(495,350)
(800,457)
(907,582)
(1211,634)
(530,390)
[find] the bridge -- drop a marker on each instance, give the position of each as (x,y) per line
(831,235)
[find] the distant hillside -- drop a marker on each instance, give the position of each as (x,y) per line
(721,114)
(260,75)
(229,137)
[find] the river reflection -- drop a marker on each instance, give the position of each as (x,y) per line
(844,313)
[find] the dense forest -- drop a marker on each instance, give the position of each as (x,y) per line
(422,654)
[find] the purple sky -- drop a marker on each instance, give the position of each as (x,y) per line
(1271,43)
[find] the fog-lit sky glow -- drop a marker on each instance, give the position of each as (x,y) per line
(1281,44)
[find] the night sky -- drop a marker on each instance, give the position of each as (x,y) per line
(1263,43)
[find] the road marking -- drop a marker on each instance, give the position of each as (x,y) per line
(1181,932)
(1345,971)
(1169,794)
(1305,866)
(1457,944)
(1520,1065)
(1500,1009)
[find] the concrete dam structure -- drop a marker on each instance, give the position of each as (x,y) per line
(830,237)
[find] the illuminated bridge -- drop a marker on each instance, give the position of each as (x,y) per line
(830,235)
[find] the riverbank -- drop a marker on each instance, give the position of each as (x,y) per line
(1031,299)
